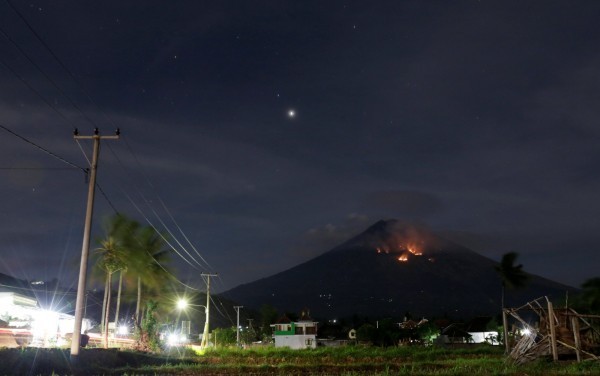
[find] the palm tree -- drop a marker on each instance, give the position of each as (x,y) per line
(512,277)
(138,254)
(149,264)
(127,234)
(110,261)
(111,257)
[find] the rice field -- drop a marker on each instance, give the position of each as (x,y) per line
(347,361)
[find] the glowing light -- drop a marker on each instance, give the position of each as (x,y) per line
(403,258)
(291,113)
(526,332)
(173,339)
(45,324)
(182,304)
(123,330)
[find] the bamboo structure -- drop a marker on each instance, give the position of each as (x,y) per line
(560,332)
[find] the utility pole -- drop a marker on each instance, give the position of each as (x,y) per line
(204,343)
(237,328)
(85,248)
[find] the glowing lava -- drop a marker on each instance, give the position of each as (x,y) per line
(403,249)
(414,251)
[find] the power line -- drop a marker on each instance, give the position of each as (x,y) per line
(39,38)
(36,92)
(66,69)
(85,170)
(163,204)
(158,232)
(106,198)
(46,75)
(158,218)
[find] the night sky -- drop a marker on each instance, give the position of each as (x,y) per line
(477,118)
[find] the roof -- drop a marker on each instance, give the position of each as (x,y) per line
(454,330)
(283,320)
(479,324)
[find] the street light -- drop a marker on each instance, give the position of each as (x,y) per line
(182,304)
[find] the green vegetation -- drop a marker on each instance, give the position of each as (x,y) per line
(349,360)
(138,254)
(147,332)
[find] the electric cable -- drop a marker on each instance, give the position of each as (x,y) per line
(146,201)
(162,202)
(59,61)
(44,149)
(46,76)
(36,92)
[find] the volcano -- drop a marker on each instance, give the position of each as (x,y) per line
(392,268)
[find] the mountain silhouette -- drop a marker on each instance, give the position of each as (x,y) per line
(392,268)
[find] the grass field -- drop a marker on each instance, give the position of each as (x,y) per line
(349,361)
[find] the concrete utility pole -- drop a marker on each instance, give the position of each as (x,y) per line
(85,248)
(204,343)
(237,328)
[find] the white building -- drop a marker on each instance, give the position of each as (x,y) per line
(17,310)
(301,334)
(33,325)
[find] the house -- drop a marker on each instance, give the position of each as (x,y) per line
(299,334)
(453,333)
(481,331)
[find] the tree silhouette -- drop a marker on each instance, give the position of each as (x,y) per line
(589,298)
(148,265)
(110,258)
(511,275)
(138,254)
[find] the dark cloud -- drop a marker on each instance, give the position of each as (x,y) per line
(321,239)
(403,204)
(472,117)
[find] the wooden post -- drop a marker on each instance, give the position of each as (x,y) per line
(505,325)
(552,331)
(575,325)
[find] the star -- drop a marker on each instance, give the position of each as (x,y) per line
(291,113)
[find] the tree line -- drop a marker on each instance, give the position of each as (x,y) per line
(137,255)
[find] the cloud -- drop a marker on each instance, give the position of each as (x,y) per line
(320,239)
(406,204)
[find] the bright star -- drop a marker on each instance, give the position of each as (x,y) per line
(291,113)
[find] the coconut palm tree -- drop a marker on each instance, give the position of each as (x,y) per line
(512,276)
(112,256)
(138,254)
(149,265)
(110,260)
(127,235)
